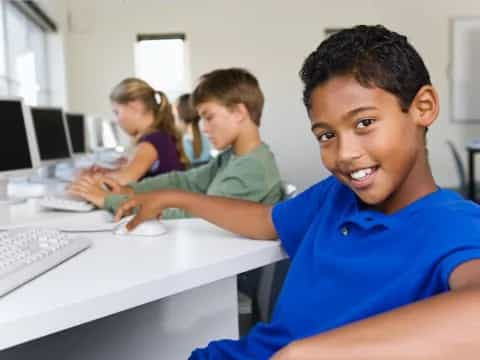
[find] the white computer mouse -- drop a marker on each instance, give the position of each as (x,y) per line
(147,228)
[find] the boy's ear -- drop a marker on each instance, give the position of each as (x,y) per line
(242,111)
(425,106)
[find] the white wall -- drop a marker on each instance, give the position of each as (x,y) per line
(270,38)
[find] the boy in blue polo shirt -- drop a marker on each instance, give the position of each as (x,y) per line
(384,263)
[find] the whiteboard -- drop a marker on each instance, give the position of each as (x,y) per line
(465,69)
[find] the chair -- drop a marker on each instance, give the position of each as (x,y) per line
(272,276)
(462,174)
(270,284)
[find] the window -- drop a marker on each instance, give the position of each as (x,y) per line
(160,60)
(24,56)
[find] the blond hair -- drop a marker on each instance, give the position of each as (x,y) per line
(131,89)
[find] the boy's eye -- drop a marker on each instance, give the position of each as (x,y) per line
(365,123)
(325,136)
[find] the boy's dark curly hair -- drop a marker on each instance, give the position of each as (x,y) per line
(374,56)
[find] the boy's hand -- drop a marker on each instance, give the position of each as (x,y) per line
(95,188)
(112,185)
(89,188)
(148,206)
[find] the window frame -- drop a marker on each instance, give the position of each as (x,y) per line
(34,19)
(186,61)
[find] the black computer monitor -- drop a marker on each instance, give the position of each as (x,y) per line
(76,129)
(16,138)
(51,133)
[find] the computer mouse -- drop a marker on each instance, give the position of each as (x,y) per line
(147,228)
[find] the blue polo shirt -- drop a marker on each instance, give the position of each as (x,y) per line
(350,262)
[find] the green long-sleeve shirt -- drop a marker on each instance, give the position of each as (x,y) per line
(253,176)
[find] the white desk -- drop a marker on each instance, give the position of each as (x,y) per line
(148,298)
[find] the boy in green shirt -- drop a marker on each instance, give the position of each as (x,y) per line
(230,102)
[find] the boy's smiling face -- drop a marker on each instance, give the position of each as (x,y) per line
(370,144)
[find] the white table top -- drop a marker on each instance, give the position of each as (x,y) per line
(121,272)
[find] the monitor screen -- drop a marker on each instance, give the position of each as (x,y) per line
(76,128)
(14,145)
(51,133)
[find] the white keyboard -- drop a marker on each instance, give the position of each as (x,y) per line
(26,253)
(65,204)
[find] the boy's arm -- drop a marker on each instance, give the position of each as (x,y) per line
(442,327)
(246,181)
(247,218)
(196,180)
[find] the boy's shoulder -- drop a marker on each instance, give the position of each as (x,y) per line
(449,212)
(261,154)
(329,199)
(262,151)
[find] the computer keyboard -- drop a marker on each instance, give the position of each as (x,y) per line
(27,253)
(65,203)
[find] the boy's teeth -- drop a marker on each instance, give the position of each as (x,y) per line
(360,174)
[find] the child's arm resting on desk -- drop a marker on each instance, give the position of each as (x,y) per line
(243,217)
(443,327)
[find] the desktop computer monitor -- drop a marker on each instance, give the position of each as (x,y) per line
(51,133)
(17,139)
(76,129)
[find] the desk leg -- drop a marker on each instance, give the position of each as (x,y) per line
(471,175)
(167,329)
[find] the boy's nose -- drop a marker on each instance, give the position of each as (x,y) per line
(349,150)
